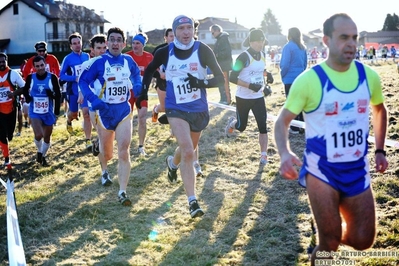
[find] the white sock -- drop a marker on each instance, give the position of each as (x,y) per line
(45,148)
(38,144)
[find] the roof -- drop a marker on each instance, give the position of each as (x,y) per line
(55,10)
(382,34)
(4,42)
(226,25)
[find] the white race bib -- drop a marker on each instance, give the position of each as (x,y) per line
(183,92)
(345,140)
(4,94)
(40,105)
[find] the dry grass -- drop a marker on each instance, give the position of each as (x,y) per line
(253,216)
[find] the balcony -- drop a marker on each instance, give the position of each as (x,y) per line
(57,37)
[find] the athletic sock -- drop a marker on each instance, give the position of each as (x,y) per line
(45,148)
(38,144)
(191,198)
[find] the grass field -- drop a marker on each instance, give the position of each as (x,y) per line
(252,215)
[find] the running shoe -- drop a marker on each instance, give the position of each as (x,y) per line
(7,161)
(195,209)
(141,151)
(18,134)
(44,162)
(39,157)
(106,179)
(197,169)
(228,129)
(154,117)
(293,132)
(172,172)
(69,128)
(95,148)
(124,200)
(263,159)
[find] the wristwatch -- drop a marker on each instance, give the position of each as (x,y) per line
(380,151)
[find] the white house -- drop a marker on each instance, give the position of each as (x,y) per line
(26,22)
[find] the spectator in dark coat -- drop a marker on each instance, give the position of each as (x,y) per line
(223,55)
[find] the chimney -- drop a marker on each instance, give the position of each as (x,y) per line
(47,9)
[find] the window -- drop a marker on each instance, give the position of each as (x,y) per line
(15,9)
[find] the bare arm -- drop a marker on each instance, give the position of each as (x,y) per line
(380,128)
(287,158)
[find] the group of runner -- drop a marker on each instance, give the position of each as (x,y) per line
(335,96)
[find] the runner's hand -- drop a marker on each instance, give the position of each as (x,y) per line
(50,94)
(142,97)
(255,87)
(98,104)
(195,82)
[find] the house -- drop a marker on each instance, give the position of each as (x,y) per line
(30,21)
(237,33)
(313,39)
(379,38)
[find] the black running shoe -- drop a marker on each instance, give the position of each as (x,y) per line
(106,179)
(39,157)
(195,209)
(7,161)
(44,162)
(124,199)
(172,172)
(95,148)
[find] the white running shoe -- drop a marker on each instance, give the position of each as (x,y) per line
(228,131)
(141,151)
(197,169)
(263,159)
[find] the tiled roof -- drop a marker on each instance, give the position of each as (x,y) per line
(227,25)
(60,10)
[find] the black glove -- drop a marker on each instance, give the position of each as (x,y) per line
(194,82)
(255,87)
(269,77)
(50,94)
(142,97)
(28,98)
(267,91)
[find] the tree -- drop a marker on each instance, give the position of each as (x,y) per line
(391,23)
(270,24)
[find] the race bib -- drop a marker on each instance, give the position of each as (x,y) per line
(3,94)
(78,70)
(257,80)
(345,140)
(116,92)
(183,92)
(40,105)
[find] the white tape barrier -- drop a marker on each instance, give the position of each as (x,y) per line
(388,142)
(16,254)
